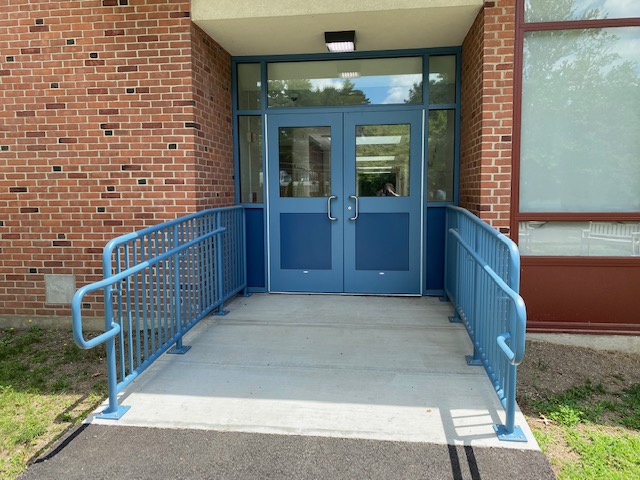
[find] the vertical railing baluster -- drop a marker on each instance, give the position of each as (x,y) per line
(136,297)
(127,264)
(120,317)
(145,300)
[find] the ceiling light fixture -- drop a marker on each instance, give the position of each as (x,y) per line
(338,42)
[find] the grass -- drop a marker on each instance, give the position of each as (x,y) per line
(47,385)
(590,432)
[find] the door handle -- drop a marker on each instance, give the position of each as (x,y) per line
(332,197)
(355,197)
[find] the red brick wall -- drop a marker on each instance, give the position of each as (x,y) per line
(116,115)
(487,114)
(213,140)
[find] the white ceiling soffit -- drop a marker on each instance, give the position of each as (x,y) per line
(248,27)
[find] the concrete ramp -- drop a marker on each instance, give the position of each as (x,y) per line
(379,368)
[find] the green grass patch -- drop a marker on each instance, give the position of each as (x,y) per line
(594,434)
(575,405)
(47,385)
(602,455)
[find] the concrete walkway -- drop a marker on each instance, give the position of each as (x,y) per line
(308,387)
(382,368)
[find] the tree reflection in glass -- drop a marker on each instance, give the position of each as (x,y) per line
(580,120)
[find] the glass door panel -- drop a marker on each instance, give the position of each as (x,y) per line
(304,156)
(382,160)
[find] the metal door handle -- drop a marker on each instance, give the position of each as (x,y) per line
(355,197)
(332,197)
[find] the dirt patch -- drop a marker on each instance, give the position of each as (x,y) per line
(550,369)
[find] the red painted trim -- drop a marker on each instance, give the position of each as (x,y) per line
(584,328)
(580,24)
(526,261)
(579,216)
(517,121)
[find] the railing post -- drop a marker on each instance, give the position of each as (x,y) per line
(245,292)
(113,410)
(179,348)
(451,263)
(219,268)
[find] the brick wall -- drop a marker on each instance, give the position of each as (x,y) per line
(487,114)
(213,146)
(116,115)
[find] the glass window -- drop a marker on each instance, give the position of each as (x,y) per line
(249,86)
(561,10)
(581,121)
(305,161)
(442,79)
(441,155)
(601,239)
(345,82)
(382,160)
(250,151)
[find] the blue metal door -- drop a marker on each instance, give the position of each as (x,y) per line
(383,187)
(344,195)
(305,203)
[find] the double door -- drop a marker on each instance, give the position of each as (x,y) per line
(344,205)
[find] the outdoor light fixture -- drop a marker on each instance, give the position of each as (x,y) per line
(340,41)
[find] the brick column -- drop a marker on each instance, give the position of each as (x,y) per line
(487,114)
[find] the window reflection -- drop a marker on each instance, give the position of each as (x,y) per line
(442,79)
(441,156)
(250,151)
(601,239)
(345,82)
(382,160)
(305,161)
(580,121)
(560,10)
(249,86)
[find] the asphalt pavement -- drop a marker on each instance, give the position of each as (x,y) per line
(119,452)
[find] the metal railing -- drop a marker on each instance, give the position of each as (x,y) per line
(482,281)
(158,283)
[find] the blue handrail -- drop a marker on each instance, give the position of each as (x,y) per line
(158,283)
(482,281)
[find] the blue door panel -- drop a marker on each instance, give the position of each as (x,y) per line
(382,241)
(305,241)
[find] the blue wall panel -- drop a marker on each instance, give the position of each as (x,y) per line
(435,248)
(255,248)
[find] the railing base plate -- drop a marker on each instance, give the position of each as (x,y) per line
(221,313)
(179,351)
(473,362)
(517,435)
(104,415)
(455,319)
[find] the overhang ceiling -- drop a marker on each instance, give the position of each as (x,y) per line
(244,27)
